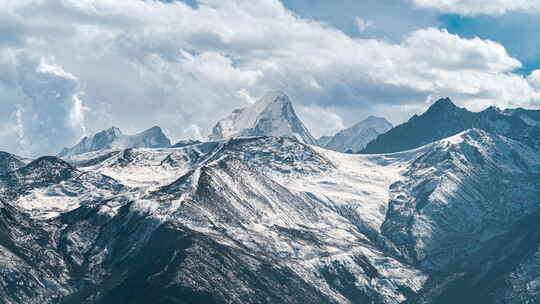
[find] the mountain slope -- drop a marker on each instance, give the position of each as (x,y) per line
(444,119)
(505,270)
(113,138)
(49,186)
(323,140)
(9,162)
(460,194)
(272,115)
(233,213)
(359,135)
(32,268)
(531,117)
(273,220)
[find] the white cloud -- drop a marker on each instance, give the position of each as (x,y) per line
(328,122)
(534,79)
(440,49)
(40,113)
(478,7)
(363,25)
(142,63)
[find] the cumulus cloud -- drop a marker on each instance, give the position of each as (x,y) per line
(327,120)
(135,64)
(478,7)
(41,107)
(534,79)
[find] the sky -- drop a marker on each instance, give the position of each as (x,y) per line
(70,68)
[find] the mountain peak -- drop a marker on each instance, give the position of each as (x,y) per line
(493,110)
(157,128)
(373,117)
(274,96)
(109,133)
(444,119)
(153,130)
(47,166)
(48,161)
(113,138)
(272,115)
(149,138)
(372,120)
(442,104)
(114,130)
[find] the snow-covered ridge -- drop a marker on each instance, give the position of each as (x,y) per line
(214,217)
(113,138)
(259,192)
(157,167)
(444,119)
(137,167)
(272,115)
(470,182)
(49,186)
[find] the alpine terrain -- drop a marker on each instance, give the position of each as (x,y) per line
(259,214)
(272,115)
(114,138)
(444,119)
(358,136)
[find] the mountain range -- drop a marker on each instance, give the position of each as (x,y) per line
(262,214)
(444,119)
(113,138)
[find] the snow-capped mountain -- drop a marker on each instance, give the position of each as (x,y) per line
(49,186)
(265,219)
(445,119)
(113,138)
(272,115)
(355,138)
(273,220)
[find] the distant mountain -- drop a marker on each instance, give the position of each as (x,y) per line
(323,140)
(444,119)
(113,138)
(272,220)
(272,115)
(185,143)
(358,136)
(530,117)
